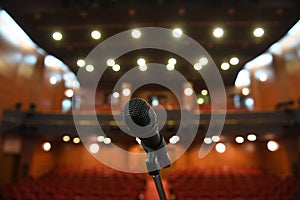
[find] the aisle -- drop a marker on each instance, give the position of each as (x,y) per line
(151,192)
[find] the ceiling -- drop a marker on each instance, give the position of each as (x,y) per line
(77,18)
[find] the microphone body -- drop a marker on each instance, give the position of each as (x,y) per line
(141,121)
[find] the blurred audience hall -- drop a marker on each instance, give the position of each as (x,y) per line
(229,113)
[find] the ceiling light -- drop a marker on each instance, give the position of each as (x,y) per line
(46,146)
(89,68)
(272,146)
(143,68)
(203,61)
(239,139)
(96,35)
(116,67)
(66,138)
(251,137)
(258,32)
(100,138)
(53,80)
(225,66)
(207,140)
(170,67)
(126,92)
(107,141)
(218,32)
(110,62)
(220,147)
(116,95)
(188,91)
(215,138)
(69,93)
(200,101)
(136,33)
(197,66)
(245,91)
(172,61)
(80,63)
(204,92)
(177,33)
(141,61)
(57,36)
(234,61)
(94,148)
(76,140)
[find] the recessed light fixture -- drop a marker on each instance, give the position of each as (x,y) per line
(57,36)
(218,32)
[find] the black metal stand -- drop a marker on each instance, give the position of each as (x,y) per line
(152,163)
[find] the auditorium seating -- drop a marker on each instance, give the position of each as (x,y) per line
(67,184)
(218,184)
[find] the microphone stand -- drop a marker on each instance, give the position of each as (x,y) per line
(152,163)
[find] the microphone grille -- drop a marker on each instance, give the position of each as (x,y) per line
(139,111)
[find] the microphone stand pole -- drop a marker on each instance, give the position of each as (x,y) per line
(152,163)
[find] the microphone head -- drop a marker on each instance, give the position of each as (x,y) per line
(139,117)
(139,111)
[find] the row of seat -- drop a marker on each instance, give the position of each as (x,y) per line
(234,184)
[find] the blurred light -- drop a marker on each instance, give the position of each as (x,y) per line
(215,138)
(220,147)
(141,61)
(245,91)
(53,80)
(251,137)
(170,67)
(188,91)
(260,61)
(272,146)
(258,32)
(136,33)
(243,78)
(30,59)
(110,62)
(66,105)
(57,36)
(218,32)
(94,148)
(143,68)
(174,139)
(249,103)
(100,138)
(203,61)
(239,139)
(276,49)
(138,140)
(155,102)
(200,101)
(96,35)
(126,92)
(116,67)
(69,92)
(46,146)
(51,61)
(177,32)
(76,140)
(89,68)
(234,61)
(207,140)
(66,138)
(225,66)
(204,92)
(263,77)
(116,95)
(172,61)
(107,141)
(197,66)
(80,63)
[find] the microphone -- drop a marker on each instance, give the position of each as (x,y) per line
(141,121)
